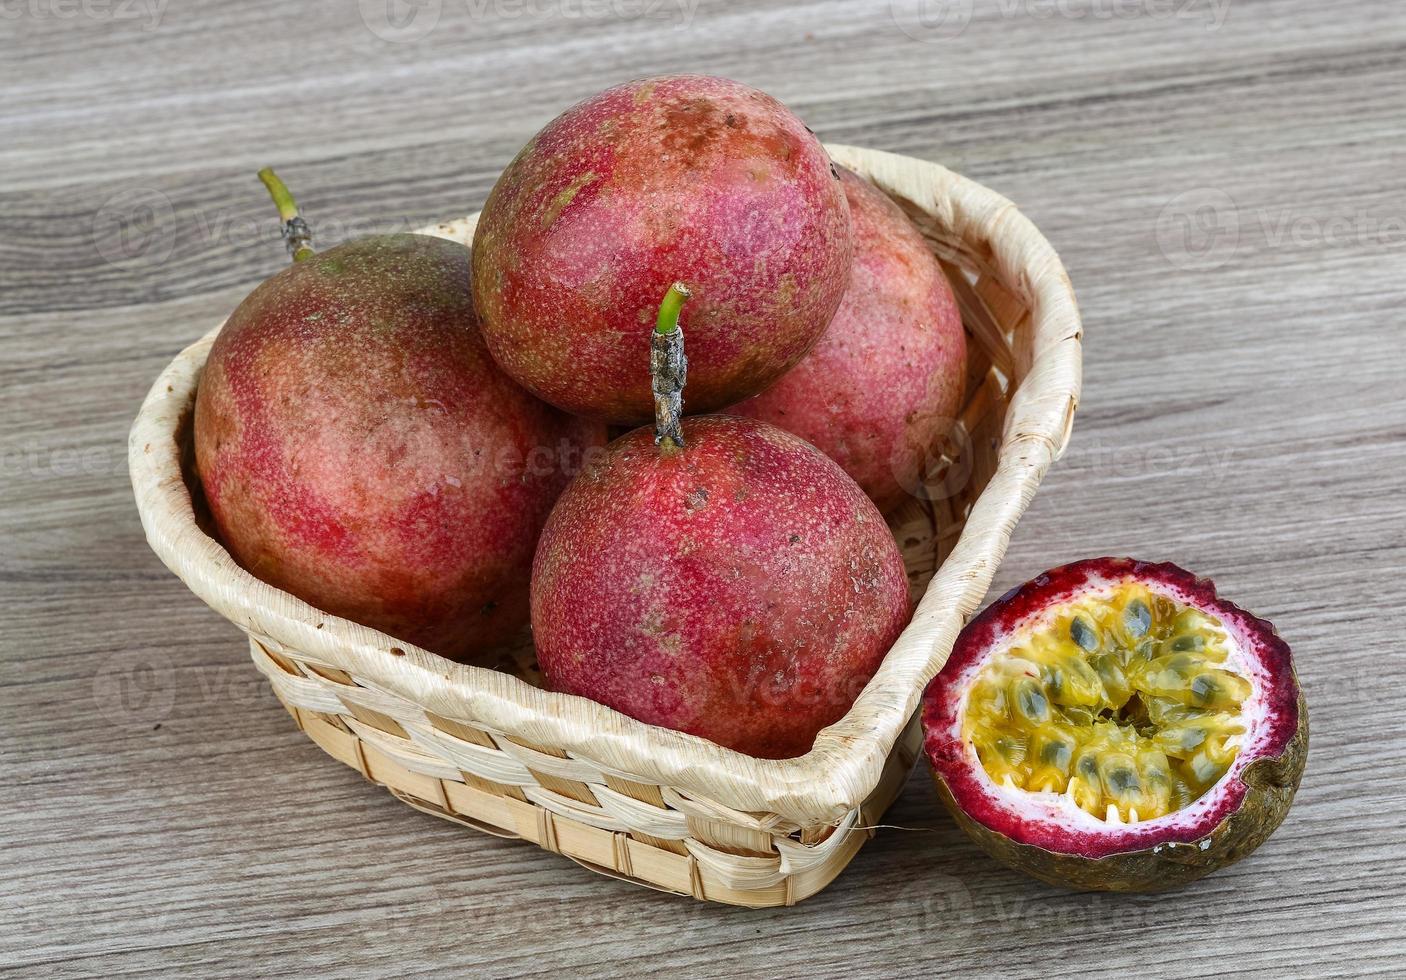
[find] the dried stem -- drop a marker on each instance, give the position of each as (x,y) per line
(668,369)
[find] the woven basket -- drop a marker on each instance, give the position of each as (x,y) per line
(491,750)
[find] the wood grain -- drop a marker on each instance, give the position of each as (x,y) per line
(1229,199)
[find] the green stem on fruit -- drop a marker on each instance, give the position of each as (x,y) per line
(668,370)
(296,233)
(670,308)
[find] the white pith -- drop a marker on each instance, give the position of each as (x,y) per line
(1059,809)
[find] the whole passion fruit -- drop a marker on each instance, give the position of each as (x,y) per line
(359,448)
(1115,725)
(717,575)
(884,383)
(678,176)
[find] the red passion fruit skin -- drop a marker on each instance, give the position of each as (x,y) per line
(742,589)
(359,448)
(1069,847)
(679,177)
(884,383)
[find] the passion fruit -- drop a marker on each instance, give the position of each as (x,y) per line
(716,575)
(1114,725)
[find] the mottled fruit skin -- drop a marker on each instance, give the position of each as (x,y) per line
(742,589)
(884,384)
(360,449)
(1225,825)
(684,177)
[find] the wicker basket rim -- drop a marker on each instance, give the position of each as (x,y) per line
(848,757)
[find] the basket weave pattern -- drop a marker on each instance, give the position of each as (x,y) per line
(491,750)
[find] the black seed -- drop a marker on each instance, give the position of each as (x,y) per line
(1083,634)
(1181,663)
(1191,738)
(1079,714)
(1032,701)
(1189,642)
(1204,688)
(1123,780)
(1011,748)
(1137,618)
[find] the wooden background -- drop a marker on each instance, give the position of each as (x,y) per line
(1225,181)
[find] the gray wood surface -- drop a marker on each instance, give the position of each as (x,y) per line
(1224,180)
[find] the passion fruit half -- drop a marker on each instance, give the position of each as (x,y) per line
(1115,725)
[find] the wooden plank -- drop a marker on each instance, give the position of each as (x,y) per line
(1224,183)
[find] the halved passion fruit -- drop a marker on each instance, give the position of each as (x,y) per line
(1114,725)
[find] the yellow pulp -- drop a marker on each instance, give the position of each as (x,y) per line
(1121,702)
